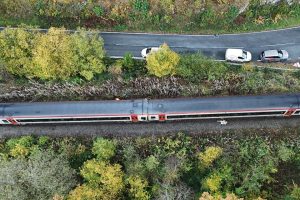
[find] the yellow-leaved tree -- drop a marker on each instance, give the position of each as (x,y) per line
(103,181)
(88,53)
(16,50)
(162,62)
(53,56)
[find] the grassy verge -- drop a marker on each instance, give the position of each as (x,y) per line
(207,21)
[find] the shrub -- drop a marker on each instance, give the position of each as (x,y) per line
(104,149)
(116,68)
(210,154)
(17,9)
(163,62)
(61,9)
(137,188)
(196,67)
(20,147)
(128,62)
(295,194)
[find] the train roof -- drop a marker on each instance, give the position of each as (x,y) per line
(72,108)
(142,106)
(214,104)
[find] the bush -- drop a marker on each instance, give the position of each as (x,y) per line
(163,62)
(196,67)
(17,9)
(20,147)
(61,9)
(104,149)
(128,62)
(137,188)
(207,157)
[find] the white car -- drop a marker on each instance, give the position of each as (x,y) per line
(145,52)
(237,55)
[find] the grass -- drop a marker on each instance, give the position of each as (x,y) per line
(178,26)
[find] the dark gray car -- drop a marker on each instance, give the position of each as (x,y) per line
(274,56)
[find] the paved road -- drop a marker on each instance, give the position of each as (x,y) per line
(117,44)
(130,129)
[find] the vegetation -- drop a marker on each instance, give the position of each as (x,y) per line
(231,165)
(152,15)
(163,62)
(53,55)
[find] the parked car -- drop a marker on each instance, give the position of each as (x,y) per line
(237,55)
(274,56)
(145,52)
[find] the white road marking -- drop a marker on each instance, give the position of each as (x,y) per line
(168,34)
(138,58)
(281,44)
(132,45)
(193,48)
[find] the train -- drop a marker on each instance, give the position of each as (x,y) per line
(150,110)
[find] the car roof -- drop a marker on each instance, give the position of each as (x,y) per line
(270,53)
(234,52)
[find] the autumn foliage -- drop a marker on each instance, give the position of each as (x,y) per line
(162,62)
(52,55)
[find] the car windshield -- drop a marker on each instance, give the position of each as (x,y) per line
(280,54)
(148,50)
(244,54)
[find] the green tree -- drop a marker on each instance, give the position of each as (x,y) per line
(104,149)
(163,62)
(20,147)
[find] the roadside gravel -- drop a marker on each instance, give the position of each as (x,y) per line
(140,129)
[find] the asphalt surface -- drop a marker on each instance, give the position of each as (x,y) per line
(117,44)
(140,129)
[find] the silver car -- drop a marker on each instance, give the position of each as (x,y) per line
(274,56)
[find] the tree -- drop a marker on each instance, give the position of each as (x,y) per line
(88,52)
(137,188)
(53,56)
(104,149)
(20,147)
(16,50)
(163,62)
(103,181)
(42,176)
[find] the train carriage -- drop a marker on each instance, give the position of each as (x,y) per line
(150,110)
